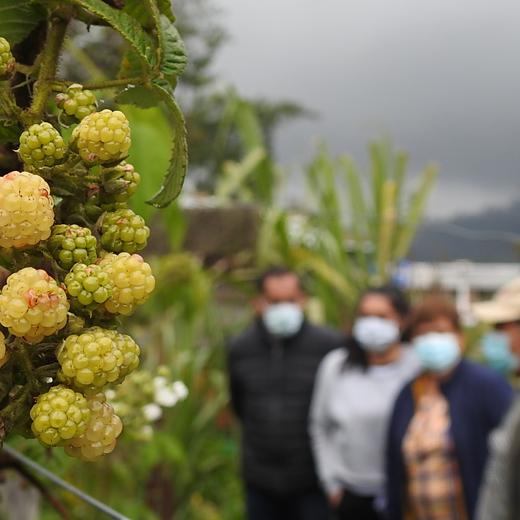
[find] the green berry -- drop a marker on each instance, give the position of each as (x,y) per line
(7,62)
(41,145)
(58,415)
(124,231)
(102,137)
(76,102)
(88,286)
(71,244)
(96,358)
(133,282)
(120,183)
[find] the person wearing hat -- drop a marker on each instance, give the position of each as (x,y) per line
(500,494)
(501,345)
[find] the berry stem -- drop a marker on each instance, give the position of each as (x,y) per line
(8,102)
(121,82)
(24,361)
(49,62)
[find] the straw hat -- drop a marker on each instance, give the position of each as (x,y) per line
(503,307)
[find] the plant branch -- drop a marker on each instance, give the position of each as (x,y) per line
(48,66)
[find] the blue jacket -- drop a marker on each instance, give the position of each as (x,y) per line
(478,400)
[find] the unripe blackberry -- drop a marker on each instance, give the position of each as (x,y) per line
(41,145)
(70,244)
(120,183)
(26,209)
(102,137)
(76,102)
(100,436)
(96,357)
(123,230)
(59,415)
(130,350)
(133,282)
(7,62)
(88,285)
(33,305)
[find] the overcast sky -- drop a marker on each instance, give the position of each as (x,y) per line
(441,77)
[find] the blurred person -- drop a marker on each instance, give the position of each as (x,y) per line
(500,495)
(438,435)
(501,345)
(354,393)
(272,366)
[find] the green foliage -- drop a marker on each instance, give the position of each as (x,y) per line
(18,18)
(360,226)
(128,27)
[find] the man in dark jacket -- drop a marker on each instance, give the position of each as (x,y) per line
(272,366)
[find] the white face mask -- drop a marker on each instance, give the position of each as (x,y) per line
(283,319)
(375,334)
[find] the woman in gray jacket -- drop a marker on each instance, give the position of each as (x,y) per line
(353,397)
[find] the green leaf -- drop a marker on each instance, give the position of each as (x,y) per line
(9,132)
(174,179)
(140,96)
(18,18)
(144,97)
(138,10)
(415,211)
(127,26)
(173,55)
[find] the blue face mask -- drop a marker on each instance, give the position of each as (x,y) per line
(375,334)
(283,319)
(496,348)
(437,351)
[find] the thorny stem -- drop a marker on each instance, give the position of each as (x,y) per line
(48,66)
(8,102)
(20,350)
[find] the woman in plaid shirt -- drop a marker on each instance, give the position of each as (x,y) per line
(438,435)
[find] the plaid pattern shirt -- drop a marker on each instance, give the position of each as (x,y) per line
(434,485)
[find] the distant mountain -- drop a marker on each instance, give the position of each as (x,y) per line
(490,236)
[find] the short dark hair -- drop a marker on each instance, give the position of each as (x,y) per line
(273,272)
(357,356)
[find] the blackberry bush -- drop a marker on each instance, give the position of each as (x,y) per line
(96,358)
(59,415)
(133,282)
(41,145)
(26,210)
(102,137)
(76,102)
(123,230)
(7,62)
(70,244)
(66,231)
(33,305)
(101,433)
(88,286)
(120,183)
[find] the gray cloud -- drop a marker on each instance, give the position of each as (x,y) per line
(440,77)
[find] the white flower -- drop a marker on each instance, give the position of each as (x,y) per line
(146,433)
(166,396)
(159,382)
(152,412)
(110,394)
(180,389)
